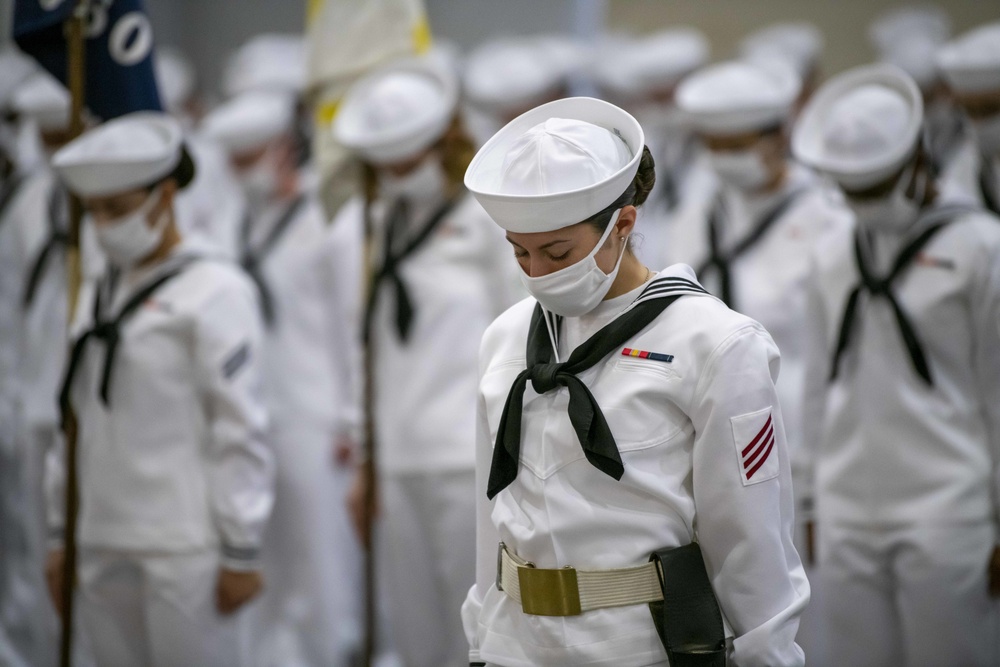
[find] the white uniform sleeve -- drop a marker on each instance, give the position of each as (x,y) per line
(344,261)
(743,512)
(817,350)
(487,537)
(985,308)
(241,467)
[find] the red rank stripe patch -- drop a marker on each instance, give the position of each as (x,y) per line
(759,449)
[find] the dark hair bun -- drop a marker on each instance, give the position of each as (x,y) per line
(645,178)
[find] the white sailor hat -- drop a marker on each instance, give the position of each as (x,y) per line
(636,66)
(269,62)
(129,152)
(739,96)
(44,100)
(971,63)
(175,77)
(250,120)
(916,57)
(921,23)
(15,69)
(397,111)
(509,74)
(861,127)
(798,43)
(556,165)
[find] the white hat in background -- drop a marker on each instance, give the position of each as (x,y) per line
(129,152)
(739,96)
(798,43)
(175,77)
(396,112)
(632,67)
(916,57)
(509,74)
(926,23)
(556,165)
(44,100)
(251,120)
(861,127)
(269,62)
(971,63)
(908,38)
(15,69)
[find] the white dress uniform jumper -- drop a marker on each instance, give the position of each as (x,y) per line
(904,330)
(718,448)
(174,472)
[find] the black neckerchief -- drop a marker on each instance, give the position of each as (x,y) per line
(108,331)
(252,258)
(987,184)
(396,224)
(58,239)
(585,414)
(11,186)
(722,260)
(882,287)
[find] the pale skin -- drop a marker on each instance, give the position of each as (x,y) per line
(234,588)
(539,254)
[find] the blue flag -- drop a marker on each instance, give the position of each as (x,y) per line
(119,51)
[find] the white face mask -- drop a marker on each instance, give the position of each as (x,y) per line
(893,213)
(741,169)
(426,182)
(260,180)
(987,133)
(130,239)
(579,288)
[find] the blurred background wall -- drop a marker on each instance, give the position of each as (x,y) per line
(209,29)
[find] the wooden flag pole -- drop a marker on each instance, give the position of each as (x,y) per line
(369,467)
(76,78)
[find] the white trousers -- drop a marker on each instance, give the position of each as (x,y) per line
(25,609)
(911,596)
(311,606)
(812,636)
(157,611)
(427,563)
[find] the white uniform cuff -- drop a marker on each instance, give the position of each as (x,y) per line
(242,559)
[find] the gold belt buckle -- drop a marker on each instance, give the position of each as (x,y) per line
(549,592)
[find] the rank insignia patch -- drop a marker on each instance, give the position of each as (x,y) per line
(643,354)
(754,437)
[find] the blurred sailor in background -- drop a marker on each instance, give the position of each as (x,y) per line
(34,231)
(641,75)
(909,37)
(903,354)
(798,44)
(507,76)
(210,209)
(441,277)
(175,476)
(306,273)
(971,67)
